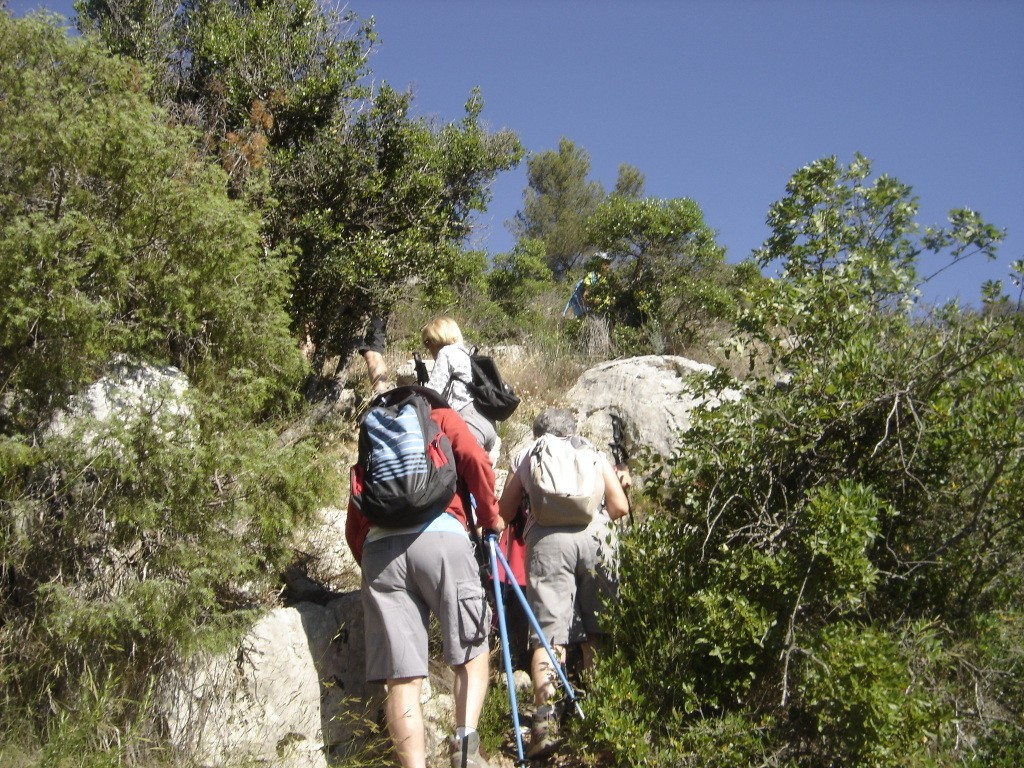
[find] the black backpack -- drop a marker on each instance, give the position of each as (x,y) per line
(405,474)
(492,395)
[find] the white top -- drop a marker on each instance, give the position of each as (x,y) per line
(452,371)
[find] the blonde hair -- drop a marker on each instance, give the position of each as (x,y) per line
(440,332)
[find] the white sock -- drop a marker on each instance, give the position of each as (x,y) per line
(462,732)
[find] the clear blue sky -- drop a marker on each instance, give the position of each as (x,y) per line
(722,101)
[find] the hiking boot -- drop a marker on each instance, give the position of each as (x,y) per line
(465,752)
(544,735)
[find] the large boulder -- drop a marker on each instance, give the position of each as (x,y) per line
(654,397)
(131,392)
(323,555)
(290,694)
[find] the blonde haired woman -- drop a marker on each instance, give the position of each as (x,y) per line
(451,373)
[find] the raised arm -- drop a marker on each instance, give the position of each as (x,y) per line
(615,501)
(474,468)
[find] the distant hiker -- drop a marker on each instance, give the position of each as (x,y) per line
(367,336)
(372,350)
(590,293)
(451,376)
(575,303)
(570,560)
(426,565)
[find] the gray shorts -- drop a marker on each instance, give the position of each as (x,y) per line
(570,571)
(405,578)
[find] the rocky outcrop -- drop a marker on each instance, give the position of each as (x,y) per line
(130,392)
(289,695)
(323,554)
(654,396)
(292,695)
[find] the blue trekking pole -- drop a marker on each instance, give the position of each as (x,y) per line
(499,607)
(495,552)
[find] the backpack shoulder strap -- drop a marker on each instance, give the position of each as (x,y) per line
(399,394)
(455,374)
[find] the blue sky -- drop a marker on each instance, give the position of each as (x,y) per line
(722,101)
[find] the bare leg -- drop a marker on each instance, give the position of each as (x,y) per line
(405,721)
(590,649)
(471,681)
(545,677)
(544,731)
(377,370)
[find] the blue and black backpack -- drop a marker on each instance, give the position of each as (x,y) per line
(405,474)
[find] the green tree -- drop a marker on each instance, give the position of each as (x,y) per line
(375,203)
(669,271)
(144,31)
(122,551)
(116,240)
(831,556)
(361,196)
(556,204)
(630,181)
(517,277)
(248,75)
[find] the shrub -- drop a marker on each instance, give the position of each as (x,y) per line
(825,550)
(125,544)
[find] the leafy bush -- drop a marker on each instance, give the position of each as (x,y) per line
(859,701)
(114,240)
(517,278)
(669,272)
(826,549)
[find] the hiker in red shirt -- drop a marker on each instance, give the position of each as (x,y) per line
(429,568)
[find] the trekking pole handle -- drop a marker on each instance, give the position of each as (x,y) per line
(422,377)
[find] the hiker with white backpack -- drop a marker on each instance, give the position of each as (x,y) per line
(574,497)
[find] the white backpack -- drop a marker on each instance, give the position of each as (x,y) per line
(566,481)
